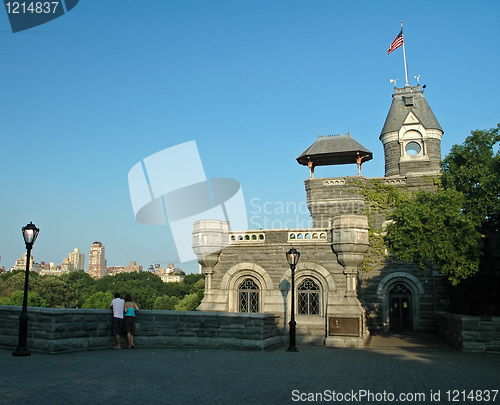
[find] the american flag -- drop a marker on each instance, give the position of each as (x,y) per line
(398,41)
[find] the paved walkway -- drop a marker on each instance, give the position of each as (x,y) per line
(408,364)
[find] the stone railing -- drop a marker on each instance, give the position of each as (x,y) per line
(247,236)
(308,235)
(62,330)
(470,333)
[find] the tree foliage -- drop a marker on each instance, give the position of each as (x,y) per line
(77,289)
(457,227)
(473,169)
(190,302)
(99,300)
(16,281)
(432,228)
(82,285)
(55,292)
(165,303)
(34,299)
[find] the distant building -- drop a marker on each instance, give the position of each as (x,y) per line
(49,269)
(114,270)
(172,278)
(133,267)
(77,259)
(97,261)
(20,264)
(74,261)
(169,274)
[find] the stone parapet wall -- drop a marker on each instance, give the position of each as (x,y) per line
(62,330)
(470,333)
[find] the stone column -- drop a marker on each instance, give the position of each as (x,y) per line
(346,316)
(209,238)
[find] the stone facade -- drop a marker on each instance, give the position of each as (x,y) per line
(337,303)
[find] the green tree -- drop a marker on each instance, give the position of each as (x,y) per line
(432,228)
(16,281)
(144,287)
(81,284)
(99,300)
(165,303)
(5,289)
(34,299)
(190,302)
(473,169)
(191,279)
(56,292)
(458,227)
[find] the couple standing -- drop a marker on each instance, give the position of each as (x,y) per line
(123,319)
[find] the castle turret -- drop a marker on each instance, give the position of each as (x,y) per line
(411,135)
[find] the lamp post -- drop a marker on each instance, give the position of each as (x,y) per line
(30,233)
(293,258)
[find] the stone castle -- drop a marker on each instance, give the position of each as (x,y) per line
(338,303)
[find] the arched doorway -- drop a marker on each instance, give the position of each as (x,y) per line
(400,308)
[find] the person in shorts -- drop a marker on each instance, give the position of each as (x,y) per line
(118,307)
(129,322)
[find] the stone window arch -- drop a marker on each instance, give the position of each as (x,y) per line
(413,145)
(308,297)
(248,296)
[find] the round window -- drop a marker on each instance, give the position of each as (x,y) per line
(413,148)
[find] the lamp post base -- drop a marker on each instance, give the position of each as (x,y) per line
(21,352)
(22,344)
(292,349)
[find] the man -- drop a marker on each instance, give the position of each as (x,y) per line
(118,306)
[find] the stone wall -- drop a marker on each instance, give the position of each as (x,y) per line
(470,333)
(61,330)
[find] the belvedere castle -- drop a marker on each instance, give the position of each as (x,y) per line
(346,286)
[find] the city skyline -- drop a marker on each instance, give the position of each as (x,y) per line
(88,95)
(75,261)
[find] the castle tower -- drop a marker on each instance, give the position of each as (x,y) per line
(411,135)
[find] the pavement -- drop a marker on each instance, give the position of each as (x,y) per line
(412,368)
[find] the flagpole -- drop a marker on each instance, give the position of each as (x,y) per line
(404,56)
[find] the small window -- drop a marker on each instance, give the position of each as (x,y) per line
(408,101)
(413,148)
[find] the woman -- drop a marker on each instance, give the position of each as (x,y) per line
(129,319)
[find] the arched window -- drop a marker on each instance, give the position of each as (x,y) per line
(248,296)
(308,297)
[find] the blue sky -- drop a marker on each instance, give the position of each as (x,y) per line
(86,96)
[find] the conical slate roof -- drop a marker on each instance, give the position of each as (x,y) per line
(405,101)
(334,150)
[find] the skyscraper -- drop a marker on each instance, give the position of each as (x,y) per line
(97,261)
(76,260)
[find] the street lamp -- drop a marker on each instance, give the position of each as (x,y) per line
(30,233)
(293,258)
